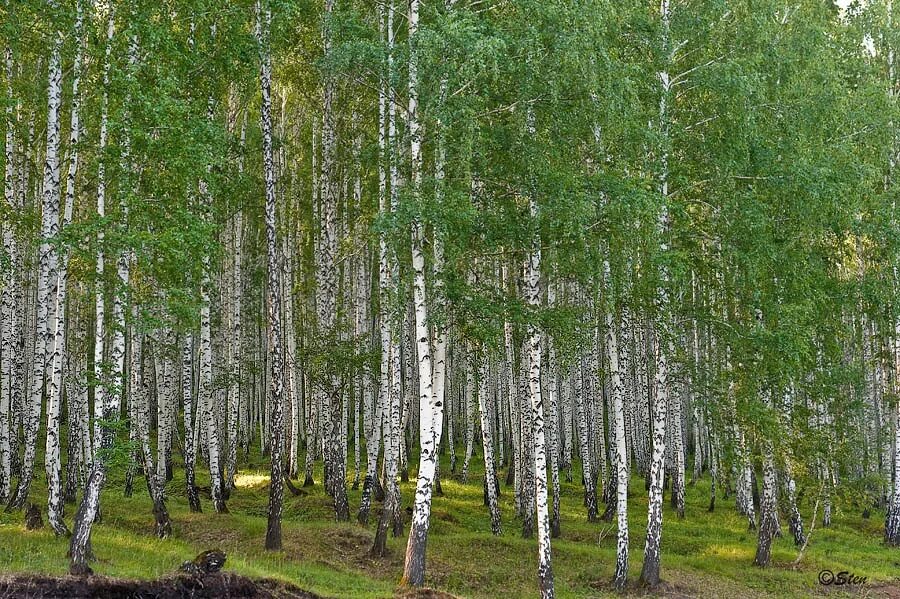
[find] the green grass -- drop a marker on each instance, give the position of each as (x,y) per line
(703,554)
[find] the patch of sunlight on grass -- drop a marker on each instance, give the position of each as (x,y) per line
(245,480)
(729,551)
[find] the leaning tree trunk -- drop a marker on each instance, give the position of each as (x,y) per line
(106,406)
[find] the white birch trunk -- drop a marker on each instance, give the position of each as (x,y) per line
(326,285)
(44,328)
(581,416)
(375,419)
(390,516)
(55,391)
(487,443)
(235,353)
(533,298)
(431,406)
(276,488)
(468,399)
(553,390)
(190,447)
(663,344)
(621,449)
(100,379)
(9,293)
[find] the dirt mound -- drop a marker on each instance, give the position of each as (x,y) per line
(226,586)
(423,593)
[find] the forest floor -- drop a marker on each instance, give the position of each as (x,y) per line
(705,554)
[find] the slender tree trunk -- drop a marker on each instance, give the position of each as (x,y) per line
(663,343)
(892,519)
(100,379)
(139,403)
(590,491)
(8,295)
(326,285)
(487,440)
(527,482)
(468,399)
(57,359)
(621,456)
(382,401)
(533,298)
(553,386)
(431,405)
(106,409)
(768,512)
(235,351)
(276,487)
(677,437)
(45,332)
(190,450)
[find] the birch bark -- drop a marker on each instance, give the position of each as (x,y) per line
(533,298)
(46,283)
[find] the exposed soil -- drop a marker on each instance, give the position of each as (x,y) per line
(225,586)
(424,593)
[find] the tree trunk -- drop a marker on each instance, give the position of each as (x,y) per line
(45,329)
(57,360)
(553,386)
(621,457)
(389,273)
(768,512)
(590,491)
(235,353)
(663,344)
(431,405)
(533,298)
(276,487)
(190,449)
(487,441)
(8,295)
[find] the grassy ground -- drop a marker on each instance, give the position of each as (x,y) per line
(703,555)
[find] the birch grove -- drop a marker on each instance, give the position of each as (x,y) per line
(571,261)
